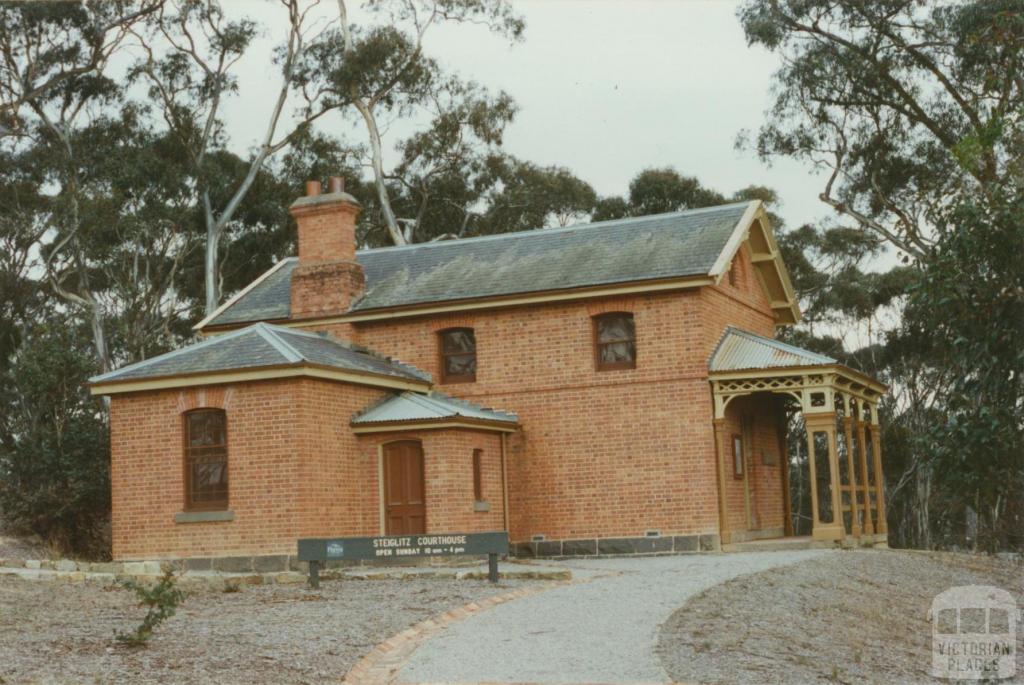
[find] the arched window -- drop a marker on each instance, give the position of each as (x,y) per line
(614,341)
(458,355)
(206,460)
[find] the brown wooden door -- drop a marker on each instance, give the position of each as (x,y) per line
(405,508)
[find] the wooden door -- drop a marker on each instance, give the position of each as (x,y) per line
(405,507)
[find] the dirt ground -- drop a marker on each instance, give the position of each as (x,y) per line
(63,633)
(849,617)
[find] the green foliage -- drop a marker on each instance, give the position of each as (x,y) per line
(54,460)
(531,196)
(915,108)
(161,601)
(969,307)
(907,103)
(657,191)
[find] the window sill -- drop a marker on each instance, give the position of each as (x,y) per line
(481,506)
(204,516)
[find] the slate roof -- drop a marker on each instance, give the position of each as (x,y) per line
(264,345)
(674,245)
(412,407)
(740,351)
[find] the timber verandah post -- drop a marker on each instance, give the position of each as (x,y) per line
(876,448)
(724,536)
(825,423)
(862,450)
(855,529)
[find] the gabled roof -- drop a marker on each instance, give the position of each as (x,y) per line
(412,408)
(627,250)
(692,244)
(739,351)
(262,347)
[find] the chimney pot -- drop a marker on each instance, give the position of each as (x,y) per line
(336,184)
(312,188)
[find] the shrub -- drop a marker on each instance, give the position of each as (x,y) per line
(162,601)
(54,444)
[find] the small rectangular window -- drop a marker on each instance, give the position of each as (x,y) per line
(737,456)
(478,478)
(458,355)
(615,341)
(206,460)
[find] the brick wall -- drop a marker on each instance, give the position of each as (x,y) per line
(609,453)
(764,481)
(448,470)
(147,472)
(602,453)
(295,470)
(337,492)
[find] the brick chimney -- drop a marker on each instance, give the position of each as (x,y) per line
(328,276)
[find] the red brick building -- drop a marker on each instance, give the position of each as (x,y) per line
(603,388)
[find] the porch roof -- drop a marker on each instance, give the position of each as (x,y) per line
(402,409)
(739,351)
(744,363)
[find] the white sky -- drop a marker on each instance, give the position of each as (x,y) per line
(605,88)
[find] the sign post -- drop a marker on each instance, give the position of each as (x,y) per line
(318,551)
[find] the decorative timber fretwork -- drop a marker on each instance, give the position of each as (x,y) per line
(840,411)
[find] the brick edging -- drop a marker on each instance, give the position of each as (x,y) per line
(382,663)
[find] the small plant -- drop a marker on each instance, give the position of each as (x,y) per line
(162,600)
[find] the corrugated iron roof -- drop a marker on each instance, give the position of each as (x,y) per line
(739,351)
(410,406)
(673,245)
(263,345)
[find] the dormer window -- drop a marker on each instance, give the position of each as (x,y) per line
(458,355)
(615,341)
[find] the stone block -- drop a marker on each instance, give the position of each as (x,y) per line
(198,564)
(134,568)
(522,550)
(233,564)
(616,546)
(686,543)
(573,548)
(548,548)
(270,563)
(105,567)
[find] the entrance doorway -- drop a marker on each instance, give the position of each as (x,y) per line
(405,507)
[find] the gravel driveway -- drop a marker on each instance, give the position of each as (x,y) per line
(63,633)
(603,631)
